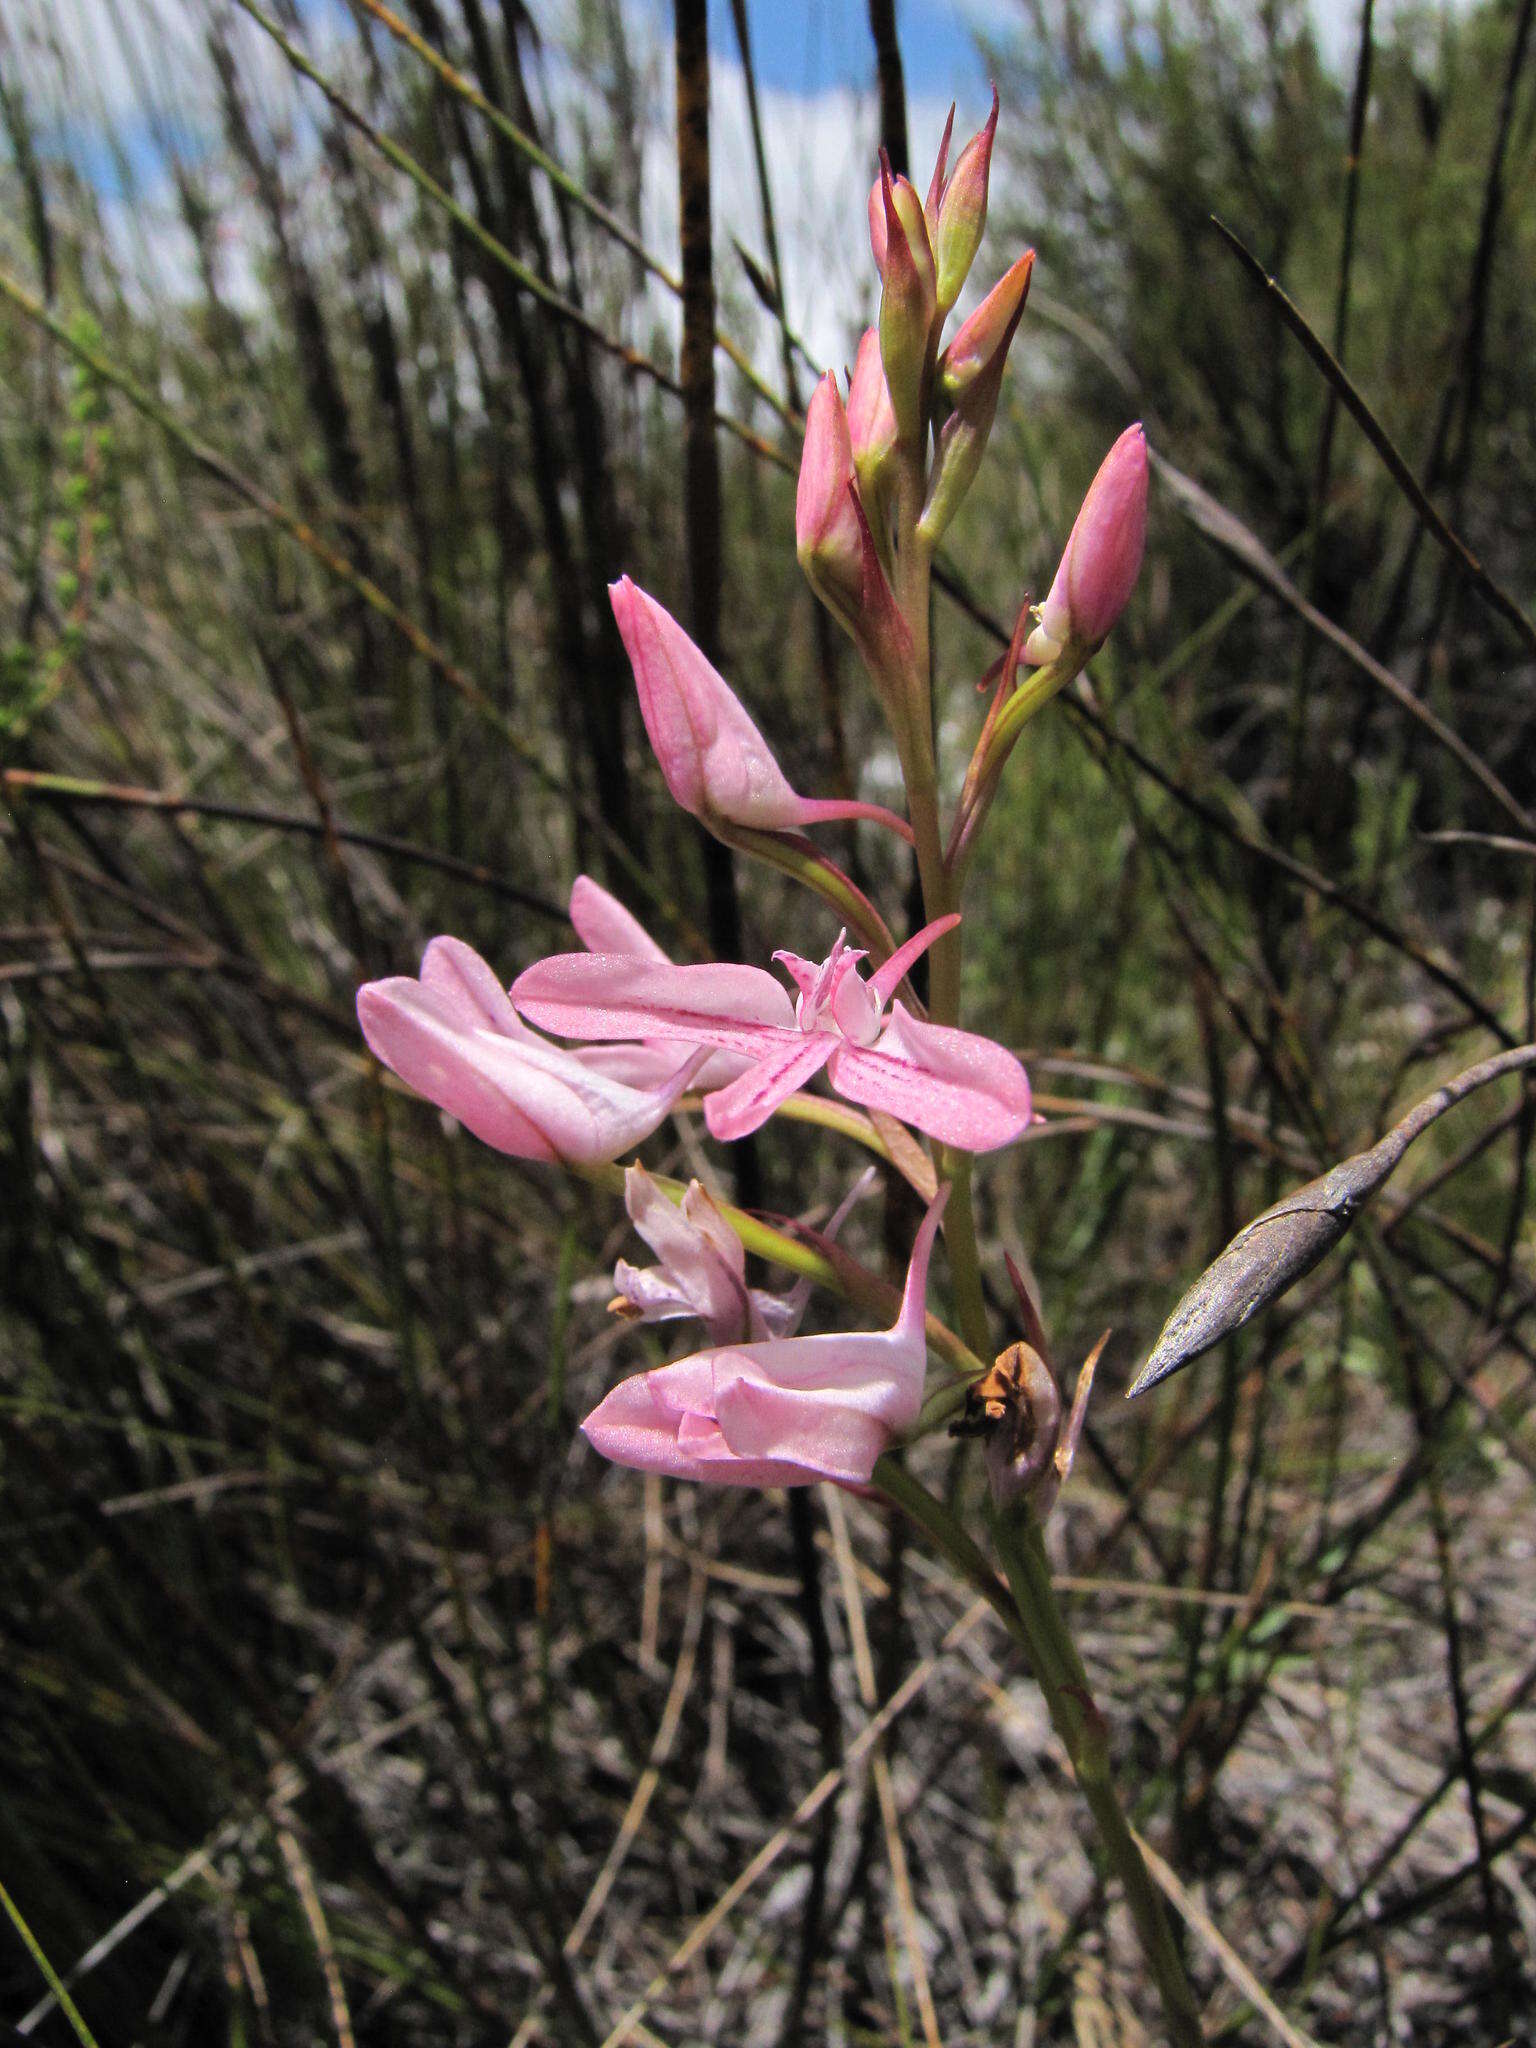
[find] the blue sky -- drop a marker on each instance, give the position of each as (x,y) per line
(805,46)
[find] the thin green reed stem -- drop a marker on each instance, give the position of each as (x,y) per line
(1034,1618)
(54,1981)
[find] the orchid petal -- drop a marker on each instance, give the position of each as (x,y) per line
(888,977)
(609,995)
(603,925)
(816,1431)
(454,1038)
(748,1102)
(783,1412)
(470,987)
(960,1088)
(703,1267)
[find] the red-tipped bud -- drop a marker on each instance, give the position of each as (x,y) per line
(936,183)
(962,213)
(976,355)
(971,377)
(833,539)
(871,422)
(1103,555)
(907,304)
(827,536)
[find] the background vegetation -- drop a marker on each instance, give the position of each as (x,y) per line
(345,1699)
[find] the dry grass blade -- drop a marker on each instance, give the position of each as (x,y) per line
(885,1790)
(1232,1966)
(303,1880)
(760,1864)
(650,1777)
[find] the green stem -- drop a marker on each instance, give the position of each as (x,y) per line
(940,891)
(54,1981)
(1035,1620)
(796,857)
(964,1255)
(1060,1674)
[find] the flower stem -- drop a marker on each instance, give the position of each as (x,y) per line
(1034,1618)
(1059,1671)
(964,1256)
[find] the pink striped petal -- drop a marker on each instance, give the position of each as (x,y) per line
(960,1088)
(749,1101)
(612,995)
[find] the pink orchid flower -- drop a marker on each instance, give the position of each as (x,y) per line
(453,1036)
(1102,558)
(703,1265)
(716,763)
(786,1411)
(961,1089)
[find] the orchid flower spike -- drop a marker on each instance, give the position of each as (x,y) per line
(453,1037)
(785,1411)
(717,764)
(959,1088)
(703,1265)
(1102,559)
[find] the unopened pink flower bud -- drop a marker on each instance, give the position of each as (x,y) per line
(971,378)
(828,539)
(871,422)
(716,763)
(908,303)
(962,213)
(835,542)
(1103,556)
